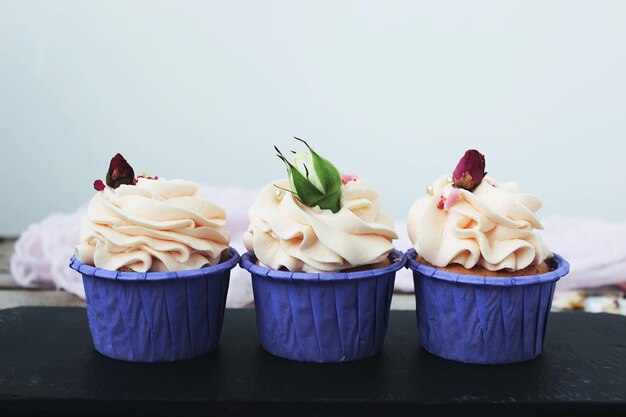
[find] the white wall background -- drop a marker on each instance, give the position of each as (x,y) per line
(394,92)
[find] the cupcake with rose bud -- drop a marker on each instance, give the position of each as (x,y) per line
(156,263)
(322,261)
(484,278)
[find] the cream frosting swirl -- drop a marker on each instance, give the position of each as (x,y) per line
(284,233)
(494,226)
(155,225)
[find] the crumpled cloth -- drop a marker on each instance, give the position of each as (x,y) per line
(42,253)
(596,249)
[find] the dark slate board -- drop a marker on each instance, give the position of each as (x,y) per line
(47,362)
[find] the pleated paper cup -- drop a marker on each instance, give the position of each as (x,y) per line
(325,317)
(156,316)
(483,320)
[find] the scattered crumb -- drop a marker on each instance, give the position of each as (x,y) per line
(569,300)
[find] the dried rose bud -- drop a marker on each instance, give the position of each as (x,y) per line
(120,172)
(470,171)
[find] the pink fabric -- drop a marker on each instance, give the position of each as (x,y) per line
(43,251)
(595,249)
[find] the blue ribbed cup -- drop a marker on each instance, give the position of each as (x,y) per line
(326,317)
(483,320)
(156,316)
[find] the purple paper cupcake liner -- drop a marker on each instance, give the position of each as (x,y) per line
(156,316)
(326,317)
(483,320)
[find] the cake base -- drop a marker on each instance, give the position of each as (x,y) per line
(156,316)
(469,317)
(323,317)
(381,264)
(223,258)
(542,268)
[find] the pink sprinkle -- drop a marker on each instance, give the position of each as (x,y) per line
(452,199)
(442,202)
(346,178)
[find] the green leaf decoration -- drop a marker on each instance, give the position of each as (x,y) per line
(306,192)
(328,174)
(322,172)
(331,202)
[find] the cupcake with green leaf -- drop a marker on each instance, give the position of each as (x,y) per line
(322,261)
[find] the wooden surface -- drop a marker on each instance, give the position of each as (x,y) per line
(48,363)
(12,295)
(6,249)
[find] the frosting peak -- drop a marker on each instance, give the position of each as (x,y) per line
(284,233)
(155,225)
(493,226)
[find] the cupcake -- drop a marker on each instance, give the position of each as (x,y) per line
(322,262)
(484,279)
(156,264)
